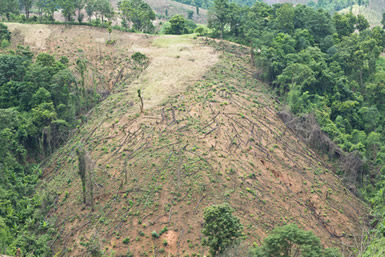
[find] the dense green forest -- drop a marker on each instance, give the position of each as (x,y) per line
(328,66)
(40,101)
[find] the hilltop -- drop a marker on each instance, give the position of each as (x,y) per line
(210,134)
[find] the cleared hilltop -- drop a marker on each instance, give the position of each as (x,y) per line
(210,134)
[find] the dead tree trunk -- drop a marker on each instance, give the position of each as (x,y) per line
(82,171)
(141,101)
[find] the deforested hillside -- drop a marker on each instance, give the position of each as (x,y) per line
(209,133)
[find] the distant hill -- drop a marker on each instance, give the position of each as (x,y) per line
(172,7)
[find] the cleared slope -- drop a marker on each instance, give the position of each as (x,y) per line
(209,135)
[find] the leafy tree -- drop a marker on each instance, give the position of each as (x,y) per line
(4,33)
(177,25)
(47,7)
(68,8)
(104,9)
(344,24)
(90,8)
(383,20)
(8,6)
(79,5)
(26,4)
(290,241)
(139,13)
(190,14)
(285,18)
(362,23)
(219,15)
(221,228)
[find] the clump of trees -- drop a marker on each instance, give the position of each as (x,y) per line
(223,233)
(135,14)
(290,240)
(221,228)
(40,101)
(138,13)
(178,25)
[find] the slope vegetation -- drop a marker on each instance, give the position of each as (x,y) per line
(210,134)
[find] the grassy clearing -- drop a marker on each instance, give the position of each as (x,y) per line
(167,41)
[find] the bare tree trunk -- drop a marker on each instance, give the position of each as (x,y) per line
(125,172)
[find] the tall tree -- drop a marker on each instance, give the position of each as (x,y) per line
(104,8)
(285,18)
(221,228)
(177,25)
(26,5)
(362,23)
(47,7)
(90,8)
(68,8)
(139,13)
(219,15)
(8,6)
(79,5)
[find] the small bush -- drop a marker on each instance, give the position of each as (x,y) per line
(126,240)
(4,44)
(139,57)
(111,42)
(154,234)
(164,230)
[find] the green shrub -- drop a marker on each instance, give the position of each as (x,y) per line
(154,234)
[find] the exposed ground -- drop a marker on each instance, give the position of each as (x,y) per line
(209,134)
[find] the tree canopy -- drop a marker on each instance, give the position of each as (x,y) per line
(291,241)
(221,228)
(139,13)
